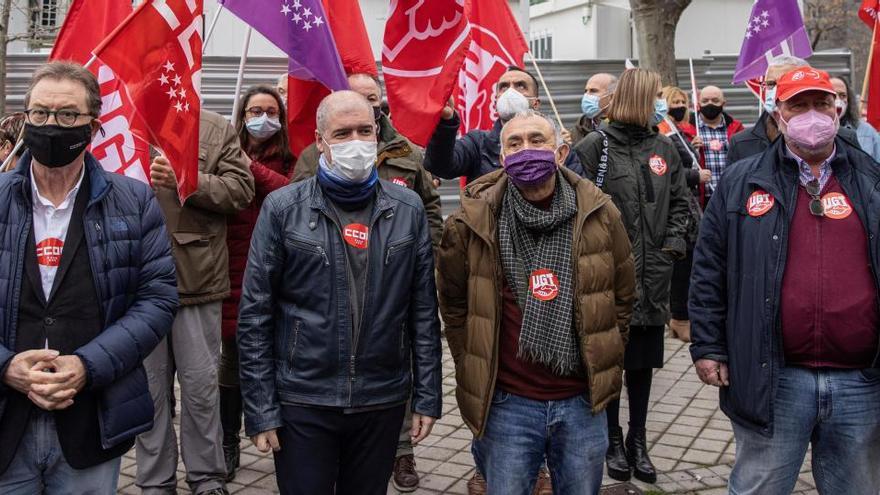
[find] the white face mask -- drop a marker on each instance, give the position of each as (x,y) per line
(353,160)
(510,103)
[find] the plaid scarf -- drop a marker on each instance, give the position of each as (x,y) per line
(532,239)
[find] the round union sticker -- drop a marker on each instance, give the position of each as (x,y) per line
(657,164)
(759,203)
(836,206)
(49,251)
(544,285)
(357,235)
(400,181)
(716,145)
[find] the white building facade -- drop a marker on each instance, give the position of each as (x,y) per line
(602,29)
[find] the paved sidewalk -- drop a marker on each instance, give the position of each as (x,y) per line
(691,442)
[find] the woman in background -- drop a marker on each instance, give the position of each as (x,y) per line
(261,124)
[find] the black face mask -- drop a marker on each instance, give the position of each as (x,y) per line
(711,111)
(677,113)
(55,146)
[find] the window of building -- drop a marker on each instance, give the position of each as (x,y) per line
(46,17)
(541,44)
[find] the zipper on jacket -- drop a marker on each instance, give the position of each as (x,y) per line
(395,247)
(293,344)
(323,254)
(98,287)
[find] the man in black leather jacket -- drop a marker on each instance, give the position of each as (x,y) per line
(338,324)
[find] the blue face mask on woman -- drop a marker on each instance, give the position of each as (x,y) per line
(590,106)
(660,110)
(770,99)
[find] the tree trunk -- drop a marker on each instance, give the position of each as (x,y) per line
(655,23)
(5,9)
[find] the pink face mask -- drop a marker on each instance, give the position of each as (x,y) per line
(811,130)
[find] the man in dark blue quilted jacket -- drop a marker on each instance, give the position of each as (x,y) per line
(87,290)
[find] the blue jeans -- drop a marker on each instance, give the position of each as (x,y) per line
(521,432)
(40,467)
(835,411)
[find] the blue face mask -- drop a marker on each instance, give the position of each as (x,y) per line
(263,127)
(660,110)
(770,100)
(590,106)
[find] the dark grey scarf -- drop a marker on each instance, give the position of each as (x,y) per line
(534,240)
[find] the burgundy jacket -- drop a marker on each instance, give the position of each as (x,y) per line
(268,176)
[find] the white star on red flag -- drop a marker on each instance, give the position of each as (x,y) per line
(169,66)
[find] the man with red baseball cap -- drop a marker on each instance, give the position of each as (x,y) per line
(784,301)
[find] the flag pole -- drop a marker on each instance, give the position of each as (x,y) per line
(211,29)
(10,160)
(694,97)
(546,89)
(867,78)
(244,55)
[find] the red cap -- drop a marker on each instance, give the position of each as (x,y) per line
(802,79)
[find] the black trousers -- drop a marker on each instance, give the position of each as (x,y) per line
(681,284)
(326,452)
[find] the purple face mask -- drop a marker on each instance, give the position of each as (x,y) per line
(811,130)
(530,167)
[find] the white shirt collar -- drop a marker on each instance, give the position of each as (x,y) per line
(42,201)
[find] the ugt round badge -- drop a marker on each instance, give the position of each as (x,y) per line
(759,203)
(400,181)
(836,205)
(657,164)
(544,285)
(357,235)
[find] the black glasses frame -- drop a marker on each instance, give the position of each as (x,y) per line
(62,117)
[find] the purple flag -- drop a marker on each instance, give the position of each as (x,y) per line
(300,29)
(776,27)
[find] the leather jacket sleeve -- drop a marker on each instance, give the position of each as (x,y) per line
(425,330)
(262,409)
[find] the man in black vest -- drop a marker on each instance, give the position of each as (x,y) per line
(88,290)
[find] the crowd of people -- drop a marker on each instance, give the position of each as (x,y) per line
(302,296)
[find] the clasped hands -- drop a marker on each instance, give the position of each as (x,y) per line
(49,380)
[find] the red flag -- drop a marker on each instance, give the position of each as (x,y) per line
(353,43)
(496,43)
(871,88)
(868,12)
(756,86)
(423,50)
(157,53)
(116,148)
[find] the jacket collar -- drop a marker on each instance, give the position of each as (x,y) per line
(777,173)
(318,202)
(392,144)
(99,186)
(481,201)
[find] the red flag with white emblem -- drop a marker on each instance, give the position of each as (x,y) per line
(117,148)
(422,52)
(869,13)
(496,44)
(157,54)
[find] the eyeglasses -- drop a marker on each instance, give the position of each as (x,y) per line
(64,118)
(258,112)
(817,208)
